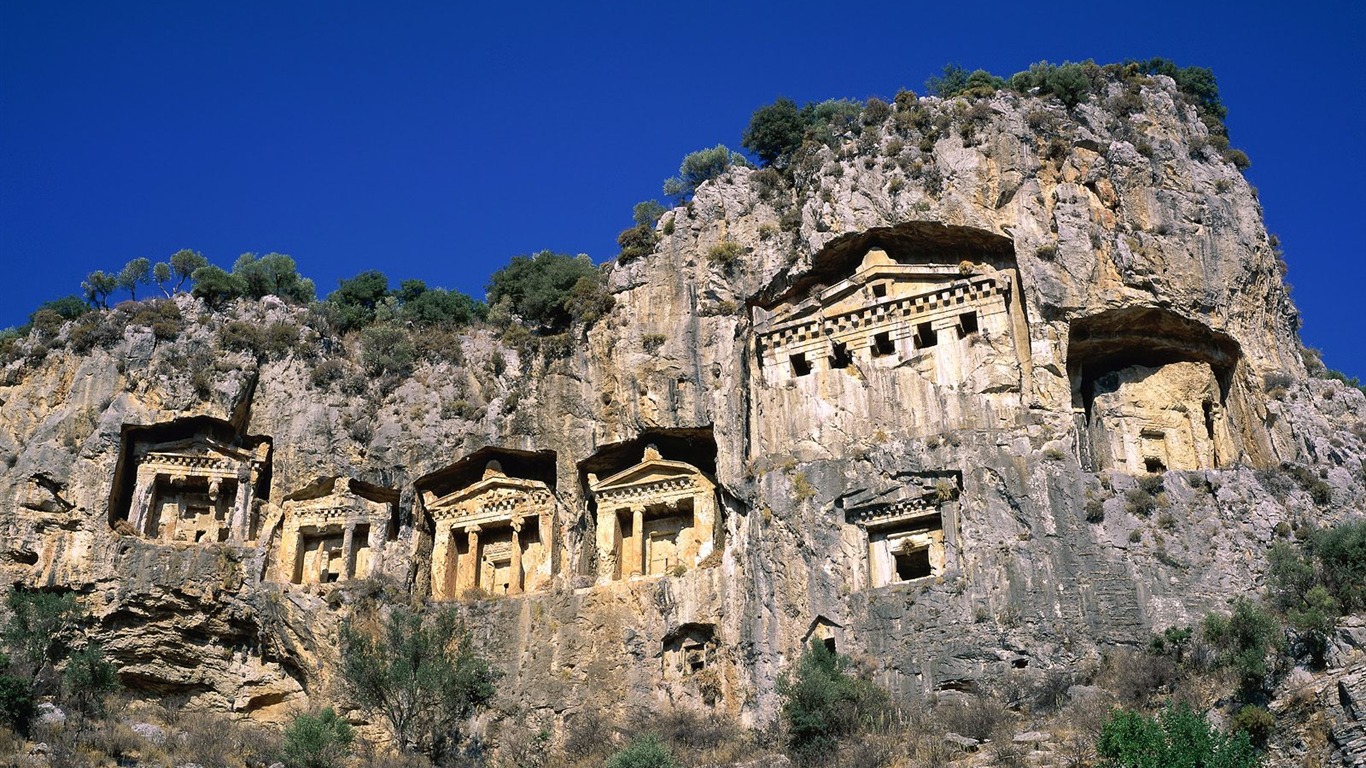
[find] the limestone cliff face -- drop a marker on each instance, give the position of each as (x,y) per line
(918,405)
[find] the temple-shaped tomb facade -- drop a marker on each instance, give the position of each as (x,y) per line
(884,314)
(655,518)
(906,536)
(335,534)
(197,490)
(493,535)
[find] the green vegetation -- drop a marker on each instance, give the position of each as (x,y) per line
(418,673)
(1245,641)
(823,703)
(643,752)
(47,656)
(702,165)
(316,741)
(1175,738)
(274,274)
(549,291)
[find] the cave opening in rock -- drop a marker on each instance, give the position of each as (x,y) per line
(1150,390)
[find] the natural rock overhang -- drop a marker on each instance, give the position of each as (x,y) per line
(468,470)
(1148,336)
(912,242)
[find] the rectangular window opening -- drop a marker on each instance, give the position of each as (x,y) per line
(880,290)
(925,336)
(967,323)
(839,356)
(913,564)
(800,366)
(882,344)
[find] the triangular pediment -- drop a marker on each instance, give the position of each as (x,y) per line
(500,485)
(198,447)
(646,473)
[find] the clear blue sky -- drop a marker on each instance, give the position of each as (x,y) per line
(437,140)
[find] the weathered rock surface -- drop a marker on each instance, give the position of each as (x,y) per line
(1122,250)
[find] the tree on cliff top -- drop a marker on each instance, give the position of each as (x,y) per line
(549,291)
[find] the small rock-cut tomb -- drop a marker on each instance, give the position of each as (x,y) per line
(884,313)
(334,534)
(655,518)
(196,489)
(689,650)
(906,538)
(491,536)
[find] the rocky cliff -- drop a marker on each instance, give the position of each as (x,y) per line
(996,389)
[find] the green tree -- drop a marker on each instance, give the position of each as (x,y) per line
(356,299)
(421,676)
(643,752)
(1244,640)
(1341,555)
(540,288)
(952,81)
(16,698)
(647,213)
(701,166)
(823,703)
(134,273)
(216,286)
(39,633)
(775,132)
(274,274)
(636,242)
(97,287)
(436,307)
(317,741)
(161,275)
(87,679)
(66,308)
(1176,738)
(183,264)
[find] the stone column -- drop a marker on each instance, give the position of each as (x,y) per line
(238,531)
(349,551)
(638,537)
(475,559)
(443,561)
(320,562)
(142,499)
(515,578)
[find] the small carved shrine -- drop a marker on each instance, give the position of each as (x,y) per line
(689,650)
(1157,419)
(335,534)
(493,535)
(884,313)
(655,518)
(906,536)
(197,490)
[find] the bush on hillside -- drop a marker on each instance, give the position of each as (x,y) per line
(1175,737)
(823,703)
(549,291)
(700,166)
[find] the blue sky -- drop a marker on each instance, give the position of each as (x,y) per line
(438,140)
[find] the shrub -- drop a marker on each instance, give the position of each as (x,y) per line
(725,254)
(539,289)
(386,349)
(1256,722)
(701,166)
(636,242)
(643,752)
(274,274)
(316,741)
(356,299)
(437,307)
(775,132)
(1175,737)
(823,703)
(647,213)
(1341,555)
(216,286)
(163,317)
(16,700)
(87,679)
(38,634)
(1243,641)
(66,308)
(421,675)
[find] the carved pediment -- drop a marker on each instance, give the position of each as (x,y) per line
(201,453)
(653,476)
(338,503)
(494,496)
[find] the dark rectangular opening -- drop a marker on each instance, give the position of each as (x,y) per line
(880,290)
(800,366)
(1154,464)
(925,336)
(913,564)
(882,344)
(829,644)
(967,323)
(839,355)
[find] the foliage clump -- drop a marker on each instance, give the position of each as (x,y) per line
(419,673)
(824,703)
(643,752)
(550,291)
(316,740)
(700,166)
(1175,737)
